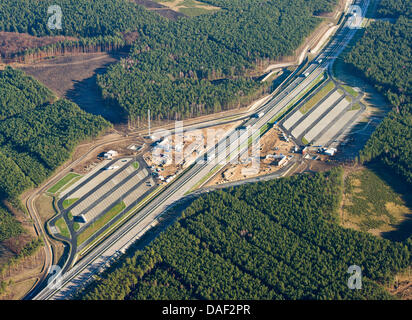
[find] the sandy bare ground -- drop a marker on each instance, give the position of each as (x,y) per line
(62,73)
(74,77)
(269,144)
(402,286)
(178,4)
(160,9)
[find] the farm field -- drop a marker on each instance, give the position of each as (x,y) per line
(79,81)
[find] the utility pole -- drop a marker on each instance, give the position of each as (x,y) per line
(148,116)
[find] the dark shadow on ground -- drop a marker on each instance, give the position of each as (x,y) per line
(86,95)
(65,255)
(356,139)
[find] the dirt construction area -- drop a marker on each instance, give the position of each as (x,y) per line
(172,154)
(275,153)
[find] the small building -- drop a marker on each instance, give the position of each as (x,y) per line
(110,154)
(132,147)
(259,115)
(305,150)
(135,147)
(330,152)
(278,159)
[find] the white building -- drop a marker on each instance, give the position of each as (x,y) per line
(330,152)
(279,159)
(110,154)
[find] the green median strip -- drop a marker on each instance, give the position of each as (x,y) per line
(63,182)
(123,219)
(136,165)
(351,91)
(355,107)
(62,226)
(100,223)
(317,97)
(68,202)
(277,117)
(205,178)
(322,77)
(73,181)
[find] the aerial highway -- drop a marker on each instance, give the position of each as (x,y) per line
(70,281)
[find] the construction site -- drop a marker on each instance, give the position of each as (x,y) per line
(171,155)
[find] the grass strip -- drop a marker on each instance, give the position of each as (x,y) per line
(351,91)
(62,226)
(68,202)
(62,182)
(317,97)
(100,223)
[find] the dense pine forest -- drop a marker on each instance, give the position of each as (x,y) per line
(37,134)
(81,18)
(395,8)
(178,69)
(271,240)
(383,56)
(192,67)
(94,26)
